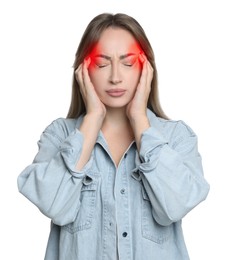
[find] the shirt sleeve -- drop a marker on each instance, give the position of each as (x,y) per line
(51,181)
(171,172)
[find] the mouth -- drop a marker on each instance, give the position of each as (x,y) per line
(116,92)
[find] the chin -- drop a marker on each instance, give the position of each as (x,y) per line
(116,104)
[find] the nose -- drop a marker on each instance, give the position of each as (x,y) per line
(115,76)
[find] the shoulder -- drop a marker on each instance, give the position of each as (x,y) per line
(171,129)
(179,134)
(176,126)
(61,127)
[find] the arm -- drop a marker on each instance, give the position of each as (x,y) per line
(51,182)
(95,113)
(172,173)
(137,108)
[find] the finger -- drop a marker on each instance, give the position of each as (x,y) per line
(79,78)
(146,75)
(78,74)
(149,70)
(150,74)
(88,86)
(143,76)
(86,64)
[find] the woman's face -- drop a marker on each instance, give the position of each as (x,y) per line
(115,68)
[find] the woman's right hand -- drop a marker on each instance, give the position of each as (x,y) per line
(93,104)
(95,113)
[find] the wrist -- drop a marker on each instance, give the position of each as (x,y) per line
(95,116)
(138,118)
(139,124)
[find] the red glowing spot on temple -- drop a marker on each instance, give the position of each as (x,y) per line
(97,52)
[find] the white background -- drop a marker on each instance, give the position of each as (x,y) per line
(38,44)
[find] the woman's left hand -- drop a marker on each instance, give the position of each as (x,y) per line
(138,105)
(137,108)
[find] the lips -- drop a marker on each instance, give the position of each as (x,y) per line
(116,92)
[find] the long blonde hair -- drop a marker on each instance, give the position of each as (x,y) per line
(90,38)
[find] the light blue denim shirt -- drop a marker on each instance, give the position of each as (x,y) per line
(104,212)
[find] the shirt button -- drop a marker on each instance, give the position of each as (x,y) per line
(124,234)
(122,191)
(125,155)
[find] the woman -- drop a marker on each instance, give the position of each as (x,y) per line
(116,176)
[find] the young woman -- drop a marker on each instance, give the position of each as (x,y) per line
(116,176)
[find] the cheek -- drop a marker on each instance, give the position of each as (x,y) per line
(134,79)
(93,73)
(136,74)
(97,76)
(97,79)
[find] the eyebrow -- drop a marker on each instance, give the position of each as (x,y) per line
(121,56)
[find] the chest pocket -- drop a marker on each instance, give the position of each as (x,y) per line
(150,228)
(85,213)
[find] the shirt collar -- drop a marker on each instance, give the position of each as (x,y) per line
(155,121)
(100,138)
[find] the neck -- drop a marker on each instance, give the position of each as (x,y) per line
(116,118)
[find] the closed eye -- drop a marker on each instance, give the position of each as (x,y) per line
(101,65)
(129,61)
(101,62)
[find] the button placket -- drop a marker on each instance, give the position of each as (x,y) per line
(122,197)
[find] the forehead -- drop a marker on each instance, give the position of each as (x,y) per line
(116,41)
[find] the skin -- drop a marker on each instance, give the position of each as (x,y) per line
(121,118)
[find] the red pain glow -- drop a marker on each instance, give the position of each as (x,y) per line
(134,49)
